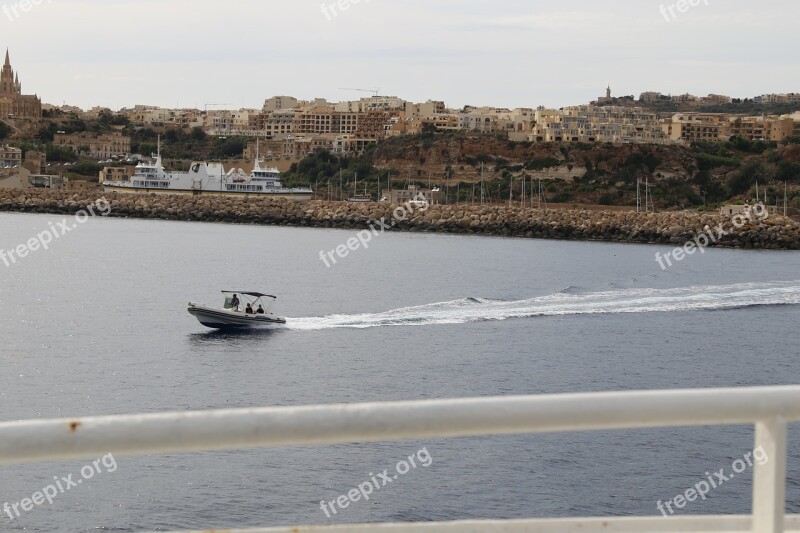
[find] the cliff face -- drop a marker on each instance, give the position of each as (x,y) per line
(461,156)
(675,228)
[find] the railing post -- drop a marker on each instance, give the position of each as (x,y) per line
(769,477)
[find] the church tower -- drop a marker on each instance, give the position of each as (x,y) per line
(9,85)
(13,104)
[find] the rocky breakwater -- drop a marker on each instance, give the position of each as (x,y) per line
(773,232)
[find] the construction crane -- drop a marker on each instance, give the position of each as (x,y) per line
(374,92)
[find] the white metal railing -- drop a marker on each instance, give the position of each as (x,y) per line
(768,408)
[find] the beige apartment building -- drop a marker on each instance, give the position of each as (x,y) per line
(711,99)
(289,147)
(650,96)
(590,124)
(373,103)
(149,115)
(428,109)
(347,144)
(267,149)
(715,99)
(94,145)
(374,125)
(325,120)
(157,117)
(690,127)
(478,122)
(31,175)
(278,103)
(188,119)
(441,121)
(720,127)
(10,156)
(318,120)
(124,173)
(790,98)
(275,123)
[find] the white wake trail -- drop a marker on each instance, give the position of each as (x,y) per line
(699,298)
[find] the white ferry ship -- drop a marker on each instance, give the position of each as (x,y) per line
(209,179)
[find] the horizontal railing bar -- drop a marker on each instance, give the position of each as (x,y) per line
(683,524)
(83,438)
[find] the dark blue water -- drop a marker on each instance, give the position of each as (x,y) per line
(97,325)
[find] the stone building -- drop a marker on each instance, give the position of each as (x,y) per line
(414,194)
(94,145)
(13,104)
(720,127)
(10,156)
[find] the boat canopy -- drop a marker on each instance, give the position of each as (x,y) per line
(253,294)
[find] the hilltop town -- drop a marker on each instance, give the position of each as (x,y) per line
(690,149)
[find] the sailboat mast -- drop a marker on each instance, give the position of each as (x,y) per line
(483,194)
(539,195)
(447,188)
(638,194)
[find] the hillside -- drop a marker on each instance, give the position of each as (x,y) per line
(606,174)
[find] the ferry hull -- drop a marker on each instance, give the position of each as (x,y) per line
(299,197)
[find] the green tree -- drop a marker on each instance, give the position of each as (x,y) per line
(87,168)
(120,120)
(745,178)
(428,129)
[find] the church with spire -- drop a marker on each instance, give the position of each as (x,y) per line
(14,104)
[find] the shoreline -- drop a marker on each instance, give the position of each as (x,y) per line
(775,232)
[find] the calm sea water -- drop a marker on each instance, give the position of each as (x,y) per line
(97,325)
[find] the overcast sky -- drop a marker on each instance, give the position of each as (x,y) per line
(509,53)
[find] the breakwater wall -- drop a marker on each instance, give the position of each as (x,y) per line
(773,232)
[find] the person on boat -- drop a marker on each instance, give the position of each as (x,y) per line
(260,310)
(249,310)
(235,302)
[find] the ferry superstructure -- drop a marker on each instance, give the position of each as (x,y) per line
(204,178)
